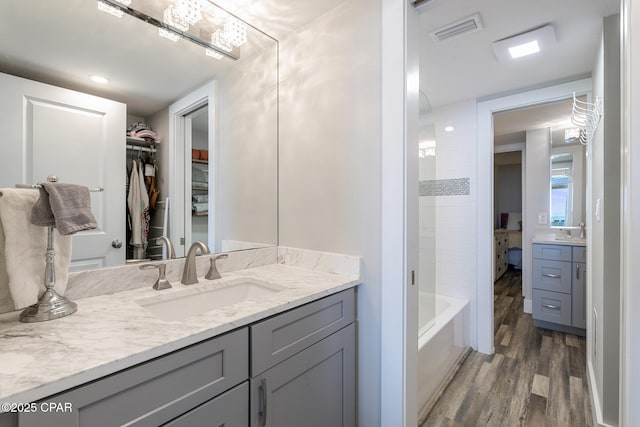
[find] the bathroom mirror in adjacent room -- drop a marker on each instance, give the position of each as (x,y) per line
(567,178)
(57,121)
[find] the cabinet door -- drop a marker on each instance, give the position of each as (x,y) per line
(230,409)
(314,388)
(579,303)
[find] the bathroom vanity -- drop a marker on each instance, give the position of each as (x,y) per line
(559,279)
(283,359)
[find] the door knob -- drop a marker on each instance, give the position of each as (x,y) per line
(116,244)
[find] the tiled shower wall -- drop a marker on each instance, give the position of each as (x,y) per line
(448,204)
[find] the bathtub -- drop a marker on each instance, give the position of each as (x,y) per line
(442,345)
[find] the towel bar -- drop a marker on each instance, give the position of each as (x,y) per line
(50,304)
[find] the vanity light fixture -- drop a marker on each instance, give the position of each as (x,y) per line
(188,10)
(235,31)
(163,32)
(213,54)
(99,79)
(426,149)
(219,39)
(175,22)
(524,44)
(449,128)
(172,17)
(104,7)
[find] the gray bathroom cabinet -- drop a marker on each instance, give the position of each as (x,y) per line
(559,279)
(159,391)
(295,368)
(303,366)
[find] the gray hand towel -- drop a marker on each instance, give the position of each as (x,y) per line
(65,206)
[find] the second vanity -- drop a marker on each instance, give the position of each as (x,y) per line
(559,280)
(284,358)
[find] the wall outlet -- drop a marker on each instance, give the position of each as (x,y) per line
(542,218)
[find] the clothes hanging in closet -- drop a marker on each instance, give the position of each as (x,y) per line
(138,203)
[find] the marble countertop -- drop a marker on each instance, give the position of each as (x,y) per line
(551,240)
(112,332)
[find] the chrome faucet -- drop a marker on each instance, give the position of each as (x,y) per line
(190,274)
(213,272)
(171,253)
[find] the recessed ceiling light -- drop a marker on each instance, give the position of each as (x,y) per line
(449,128)
(524,44)
(99,79)
(524,49)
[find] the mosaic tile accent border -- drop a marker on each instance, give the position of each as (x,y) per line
(446,187)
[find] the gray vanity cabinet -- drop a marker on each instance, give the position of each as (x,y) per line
(303,366)
(230,409)
(579,295)
(559,273)
(159,391)
(293,369)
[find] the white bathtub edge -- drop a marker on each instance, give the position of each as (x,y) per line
(428,405)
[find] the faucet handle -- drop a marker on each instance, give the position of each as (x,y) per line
(162,282)
(213,272)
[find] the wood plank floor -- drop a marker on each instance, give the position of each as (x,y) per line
(536,377)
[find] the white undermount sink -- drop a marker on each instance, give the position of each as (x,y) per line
(190,302)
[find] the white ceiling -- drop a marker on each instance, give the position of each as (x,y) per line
(62,45)
(466,68)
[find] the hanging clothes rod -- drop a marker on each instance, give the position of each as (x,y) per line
(139,148)
(93,190)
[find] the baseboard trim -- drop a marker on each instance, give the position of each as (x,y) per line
(596,413)
(428,406)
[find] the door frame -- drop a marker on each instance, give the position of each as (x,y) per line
(399,212)
(179,153)
(484,222)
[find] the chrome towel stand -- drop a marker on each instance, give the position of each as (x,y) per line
(50,305)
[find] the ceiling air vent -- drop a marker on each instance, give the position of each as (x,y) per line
(463,26)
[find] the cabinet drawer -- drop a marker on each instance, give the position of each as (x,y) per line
(552,252)
(579,254)
(230,409)
(552,275)
(552,307)
(155,392)
(282,336)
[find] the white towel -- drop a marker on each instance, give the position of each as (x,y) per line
(138,201)
(23,247)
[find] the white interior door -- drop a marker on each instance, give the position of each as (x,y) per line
(80,139)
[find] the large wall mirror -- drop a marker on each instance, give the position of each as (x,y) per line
(567,179)
(207,90)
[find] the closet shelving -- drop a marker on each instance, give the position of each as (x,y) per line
(199,188)
(141,144)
